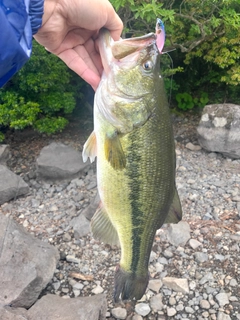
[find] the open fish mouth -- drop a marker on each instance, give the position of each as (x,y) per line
(117,50)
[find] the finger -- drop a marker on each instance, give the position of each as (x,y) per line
(78,65)
(114,24)
(94,55)
(86,57)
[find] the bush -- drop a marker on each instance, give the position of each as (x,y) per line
(41,95)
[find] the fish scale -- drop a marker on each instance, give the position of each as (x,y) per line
(135,158)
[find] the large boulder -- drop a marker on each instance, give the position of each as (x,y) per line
(26,265)
(11,185)
(51,307)
(59,162)
(8,313)
(219,129)
(55,307)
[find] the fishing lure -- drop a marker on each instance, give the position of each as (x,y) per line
(160,34)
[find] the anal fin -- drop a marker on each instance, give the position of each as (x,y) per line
(102,228)
(90,148)
(114,152)
(175,211)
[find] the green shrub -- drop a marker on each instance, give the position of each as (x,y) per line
(186,102)
(41,95)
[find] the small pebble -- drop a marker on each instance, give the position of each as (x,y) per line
(142,309)
(119,313)
(171,312)
(97,290)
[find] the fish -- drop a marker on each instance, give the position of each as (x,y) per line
(134,145)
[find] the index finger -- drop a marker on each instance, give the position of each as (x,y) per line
(115,25)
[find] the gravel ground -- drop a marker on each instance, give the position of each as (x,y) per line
(207,267)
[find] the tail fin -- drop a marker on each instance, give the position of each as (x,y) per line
(129,286)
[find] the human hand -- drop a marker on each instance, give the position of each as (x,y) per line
(70,30)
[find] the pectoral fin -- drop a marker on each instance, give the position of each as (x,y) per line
(102,227)
(175,211)
(114,152)
(90,148)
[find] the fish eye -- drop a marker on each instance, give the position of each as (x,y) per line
(148,65)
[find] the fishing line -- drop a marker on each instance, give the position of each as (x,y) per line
(171,79)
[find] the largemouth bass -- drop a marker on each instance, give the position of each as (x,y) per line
(134,145)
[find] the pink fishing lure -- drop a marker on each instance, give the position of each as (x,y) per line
(160,34)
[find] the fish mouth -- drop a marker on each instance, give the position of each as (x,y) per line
(122,48)
(111,50)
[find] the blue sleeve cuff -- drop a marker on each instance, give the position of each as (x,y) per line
(36,13)
(19,20)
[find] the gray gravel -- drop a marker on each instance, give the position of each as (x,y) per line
(196,279)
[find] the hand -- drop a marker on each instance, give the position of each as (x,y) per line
(70,30)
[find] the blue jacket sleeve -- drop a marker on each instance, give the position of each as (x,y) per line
(19,20)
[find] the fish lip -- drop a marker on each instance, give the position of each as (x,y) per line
(111,50)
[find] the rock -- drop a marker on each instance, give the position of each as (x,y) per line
(204,304)
(81,226)
(156,302)
(219,129)
(172,301)
(137,317)
(194,244)
(189,309)
(58,162)
(26,265)
(223,316)
(78,286)
(208,277)
(193,147)
(219,257)
(54,307)
(4,153)
(167,254)
(119,313)
(7,313)
(142,308)
(180,307)
(171,312)
(233,283)
(222,298)
(92,185)
(178,234)
(91,209)
(71,258)
(11,185)
(67,237)
(201,256)
(97,290)
(155,285)
(176,284)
